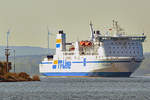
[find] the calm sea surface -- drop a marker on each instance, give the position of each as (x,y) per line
(134,88)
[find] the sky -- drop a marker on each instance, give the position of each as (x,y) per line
(28,19)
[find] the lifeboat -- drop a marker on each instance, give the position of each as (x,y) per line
(82,43)
(85,43)
(88,43)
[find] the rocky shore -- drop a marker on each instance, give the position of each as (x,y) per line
(18,77)
(6,76)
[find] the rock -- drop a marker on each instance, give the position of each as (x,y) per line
(35,78)
(25,76)
(18,77)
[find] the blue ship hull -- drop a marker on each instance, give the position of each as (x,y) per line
(89,74)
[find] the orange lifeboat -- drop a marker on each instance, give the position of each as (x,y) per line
(82,43)
(88,43)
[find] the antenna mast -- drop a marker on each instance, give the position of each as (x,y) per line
(92,32)
(116,28)
(7,53)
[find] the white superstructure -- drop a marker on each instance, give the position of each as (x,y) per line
(115,55)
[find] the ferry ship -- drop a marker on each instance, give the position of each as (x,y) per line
(113,54)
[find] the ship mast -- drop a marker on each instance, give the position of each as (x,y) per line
(92,32)
(117,28)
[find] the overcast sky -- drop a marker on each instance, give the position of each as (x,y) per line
(28,19)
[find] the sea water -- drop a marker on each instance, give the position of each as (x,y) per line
(93,88)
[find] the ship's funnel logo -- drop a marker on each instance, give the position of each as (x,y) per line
(55,62)
(61,64)
(58,40)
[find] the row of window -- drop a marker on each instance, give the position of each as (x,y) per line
(124,52)
(124,43)
(125,47)
(69,53)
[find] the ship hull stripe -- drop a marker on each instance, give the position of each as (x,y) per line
(92,62)
(92,74)
(46,63)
